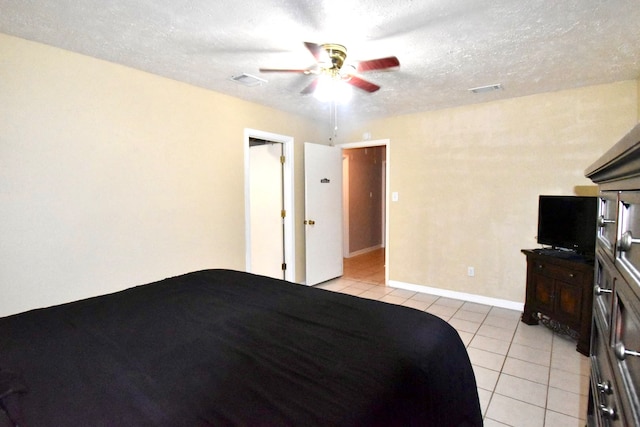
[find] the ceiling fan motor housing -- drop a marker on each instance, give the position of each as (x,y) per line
(336,53)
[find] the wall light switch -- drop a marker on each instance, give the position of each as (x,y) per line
(394,196)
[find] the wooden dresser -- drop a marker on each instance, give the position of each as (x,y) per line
(615,332)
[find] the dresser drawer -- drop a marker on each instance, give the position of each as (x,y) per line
(603,288)
(604,407)
(628,238)
(626,350)
(607,221)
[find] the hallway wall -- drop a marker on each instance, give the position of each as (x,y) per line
(365,197)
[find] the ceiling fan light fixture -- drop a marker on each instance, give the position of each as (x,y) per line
(329,89)
(487,88)
(248,80)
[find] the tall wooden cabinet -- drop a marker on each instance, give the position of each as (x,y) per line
(615,332)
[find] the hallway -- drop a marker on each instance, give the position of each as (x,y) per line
(368,267)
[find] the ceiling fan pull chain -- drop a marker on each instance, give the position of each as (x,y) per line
(334,104)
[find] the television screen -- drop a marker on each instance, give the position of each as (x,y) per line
(568,222)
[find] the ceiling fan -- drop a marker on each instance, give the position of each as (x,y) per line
(330,60)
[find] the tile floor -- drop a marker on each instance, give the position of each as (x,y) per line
(526,375)
(368,267)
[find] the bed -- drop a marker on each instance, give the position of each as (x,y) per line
(223,348)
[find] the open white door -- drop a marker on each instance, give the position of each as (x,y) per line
(272,244)
(323,212)
(266,205)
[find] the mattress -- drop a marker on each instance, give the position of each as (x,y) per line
(228,348)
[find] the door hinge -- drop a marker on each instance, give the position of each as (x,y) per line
(282,159)
(284,266)
(283,213)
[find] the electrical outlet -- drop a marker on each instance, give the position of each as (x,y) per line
(471,271)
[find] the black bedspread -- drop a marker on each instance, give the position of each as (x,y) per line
(220,347)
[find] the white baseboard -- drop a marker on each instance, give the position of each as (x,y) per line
(511,305)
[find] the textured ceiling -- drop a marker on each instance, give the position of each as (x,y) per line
(445,47)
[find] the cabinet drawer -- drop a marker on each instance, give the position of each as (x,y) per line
(607,221)
(559,272)
(628,239)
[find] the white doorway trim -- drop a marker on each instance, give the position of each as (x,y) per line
(383,190)
(289,220)
(387,144)
(345,205)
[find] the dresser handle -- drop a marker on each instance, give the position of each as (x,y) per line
(602,221)
(626,240)
(621,352)
(572,275)
(605,387)
(599,291)
(608,412)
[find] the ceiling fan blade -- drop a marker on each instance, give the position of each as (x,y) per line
(363,84)
(285,70)
(315,49)
(378,64)
(310,88)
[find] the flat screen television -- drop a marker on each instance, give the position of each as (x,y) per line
(568,222)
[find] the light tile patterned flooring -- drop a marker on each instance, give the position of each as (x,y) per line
(526,375)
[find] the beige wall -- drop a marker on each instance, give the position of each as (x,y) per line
(468,180)
(111,177)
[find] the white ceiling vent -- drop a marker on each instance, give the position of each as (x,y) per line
(488,88)
(248,80)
